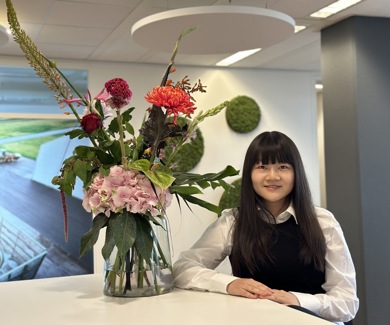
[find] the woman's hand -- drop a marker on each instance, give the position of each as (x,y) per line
(283,297)
(248,288)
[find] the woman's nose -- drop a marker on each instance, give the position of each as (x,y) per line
(273,173)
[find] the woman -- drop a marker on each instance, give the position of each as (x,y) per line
(281,247)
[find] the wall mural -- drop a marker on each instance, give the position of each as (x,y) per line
(32,241)
(32,143)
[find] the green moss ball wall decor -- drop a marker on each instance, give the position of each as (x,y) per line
(243,114)
(231,197)
(190,154)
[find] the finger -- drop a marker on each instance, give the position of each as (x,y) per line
(259,288)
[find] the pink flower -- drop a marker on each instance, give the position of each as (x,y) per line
(125,190)
(121,197)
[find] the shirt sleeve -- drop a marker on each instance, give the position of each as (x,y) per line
(340,301)
(195,268)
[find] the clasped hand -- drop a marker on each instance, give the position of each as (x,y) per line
(252,289)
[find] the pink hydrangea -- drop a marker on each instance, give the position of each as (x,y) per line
(125,190)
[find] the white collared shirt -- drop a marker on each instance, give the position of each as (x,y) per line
(195,268)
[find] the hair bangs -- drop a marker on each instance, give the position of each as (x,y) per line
(272,153)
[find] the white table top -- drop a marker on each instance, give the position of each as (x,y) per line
(78,300)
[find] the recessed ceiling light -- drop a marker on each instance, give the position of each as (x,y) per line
(298,28)
(236,57)
(333,8)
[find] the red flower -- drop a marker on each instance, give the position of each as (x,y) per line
(91,122)
(174,100)
(120,92)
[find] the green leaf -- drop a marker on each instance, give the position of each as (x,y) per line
(81,169)
(214,185)
(69,176)
(186,190)
(109,242)
(204,204)
(99,108)
(125,230)
(141,165)
(190,178)
(126,115)
(202,183)
(105,158)
(104,171)
(144,240)
(225,185)
(84,152)
(157,221)
(115,149)
(66,187)
(160,175)
(76,133)
(113,126)
(129,128)
(90,238)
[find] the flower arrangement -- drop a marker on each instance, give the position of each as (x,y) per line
(128,179)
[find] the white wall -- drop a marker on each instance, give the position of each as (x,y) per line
(288,104)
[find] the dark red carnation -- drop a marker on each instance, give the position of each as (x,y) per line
(91,122)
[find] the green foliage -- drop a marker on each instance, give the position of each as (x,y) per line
(243,114)
(159,175)
(124,230)
(231,197)
(187,184)
(189,154)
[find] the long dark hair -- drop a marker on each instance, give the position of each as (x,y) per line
(255,227)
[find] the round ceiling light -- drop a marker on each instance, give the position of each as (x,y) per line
(219,29)
(4,36)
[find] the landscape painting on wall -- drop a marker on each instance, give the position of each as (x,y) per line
(32,243)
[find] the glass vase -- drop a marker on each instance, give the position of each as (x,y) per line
(143,270)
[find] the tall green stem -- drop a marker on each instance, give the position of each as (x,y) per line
(121,138)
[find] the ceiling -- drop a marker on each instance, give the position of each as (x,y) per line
(100,30)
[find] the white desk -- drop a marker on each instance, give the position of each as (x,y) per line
(78,300)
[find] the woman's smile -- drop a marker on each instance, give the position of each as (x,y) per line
(273,183)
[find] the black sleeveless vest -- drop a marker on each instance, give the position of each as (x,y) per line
(287,272)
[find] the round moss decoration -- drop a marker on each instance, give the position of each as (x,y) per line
(243,114)
(190,154)
(231,197)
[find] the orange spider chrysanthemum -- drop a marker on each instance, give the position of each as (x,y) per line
(174,100)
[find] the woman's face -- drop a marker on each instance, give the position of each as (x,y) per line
(273,182)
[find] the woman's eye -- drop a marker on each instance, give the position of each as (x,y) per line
(284,167)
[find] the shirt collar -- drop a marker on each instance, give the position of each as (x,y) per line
(284,216)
